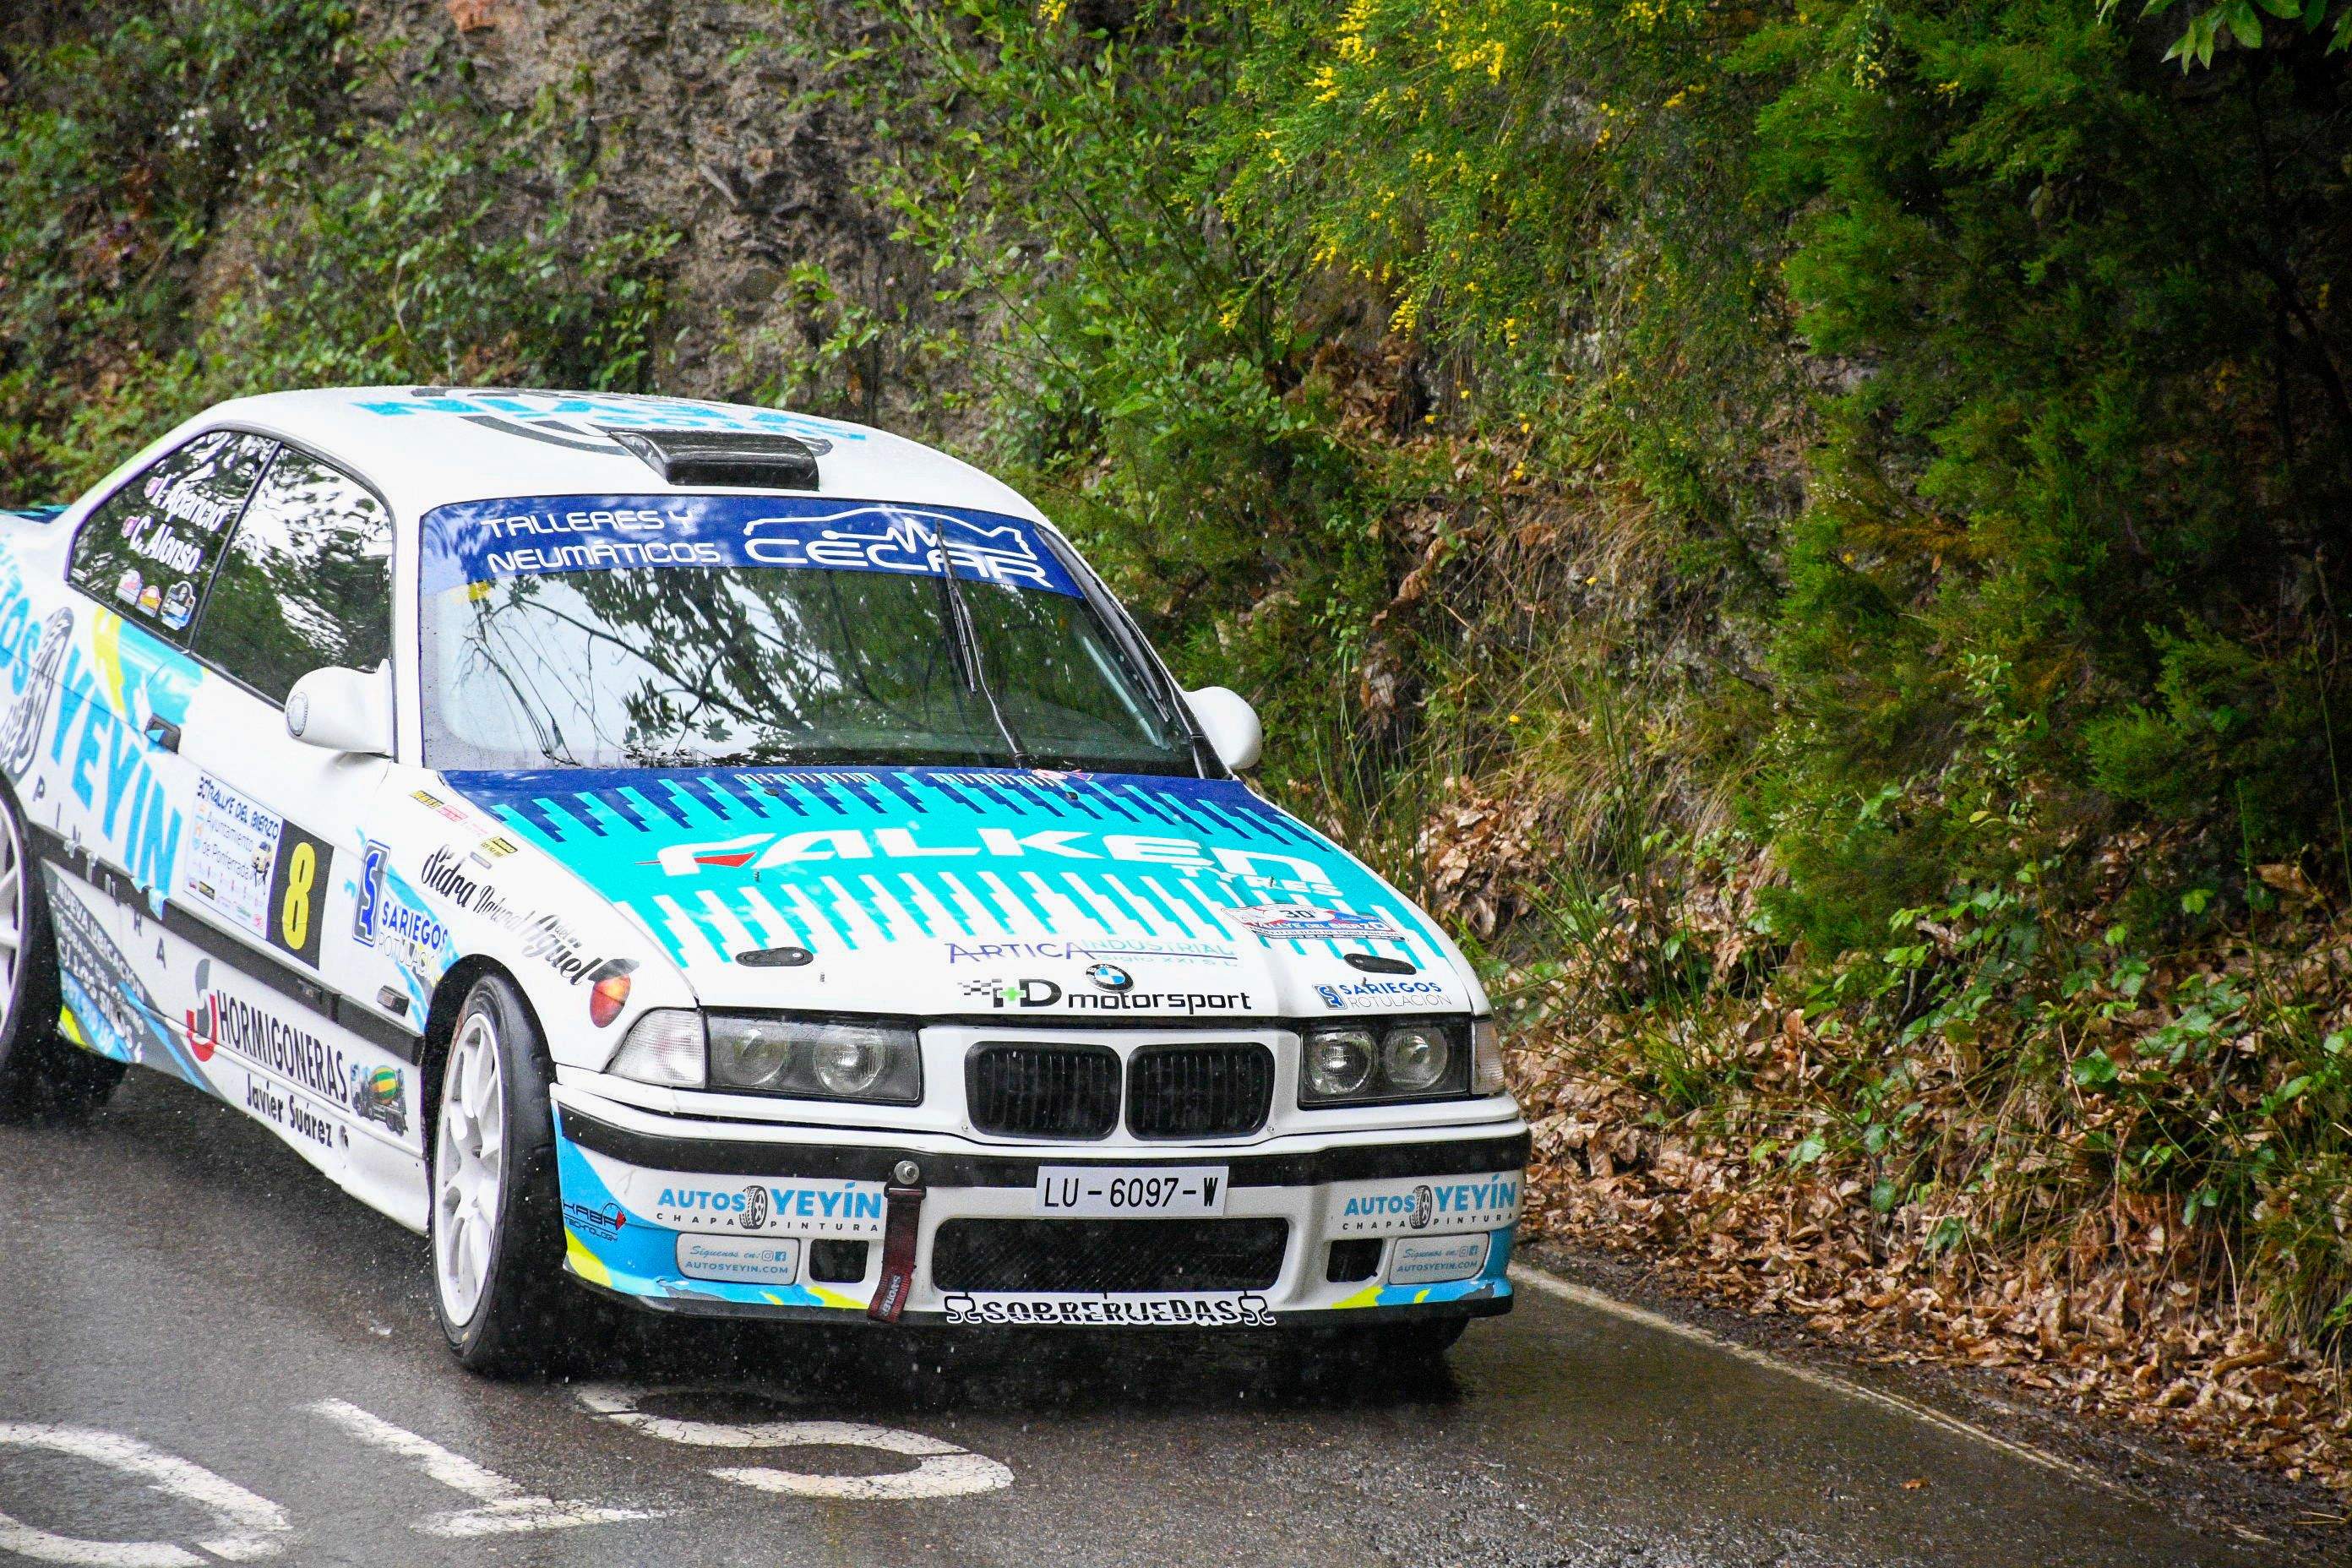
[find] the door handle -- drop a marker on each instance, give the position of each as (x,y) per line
(163,732)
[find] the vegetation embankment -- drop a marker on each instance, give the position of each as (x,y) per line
(1815,534)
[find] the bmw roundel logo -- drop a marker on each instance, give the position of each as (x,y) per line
(1111,977)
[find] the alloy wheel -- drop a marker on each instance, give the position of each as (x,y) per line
(468,1167)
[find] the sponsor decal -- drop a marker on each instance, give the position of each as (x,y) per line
(1436,1260)
(289,1113)
(1451,1202)
(741,1262)
(1002,994)
(1348,994)
(444,872)
(221,1021)
(128,586)
(183,497)
(439,807)
(1170,950)
(110,683)
(1309,922)
(495,847)
(478,542)
(547,937)
(1235,1310)
(118,1017)
(1250,867)
(20,733)
(373,858)
(605,1223)
(257,870)
(836,1208)
(380,1094)
(180,605)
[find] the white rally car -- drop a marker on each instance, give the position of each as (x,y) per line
(743,862)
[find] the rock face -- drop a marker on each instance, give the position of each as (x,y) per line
(707,122)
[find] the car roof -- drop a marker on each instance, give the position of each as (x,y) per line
(424,447)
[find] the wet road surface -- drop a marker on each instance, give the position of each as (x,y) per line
(209,1354)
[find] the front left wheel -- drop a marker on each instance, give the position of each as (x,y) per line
(497,1220)
(43,1075)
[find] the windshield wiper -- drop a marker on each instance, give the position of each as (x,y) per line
(967,644)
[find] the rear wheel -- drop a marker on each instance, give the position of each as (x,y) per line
(497,1218)
(43,1075)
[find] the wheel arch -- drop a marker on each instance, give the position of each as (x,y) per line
(449,994)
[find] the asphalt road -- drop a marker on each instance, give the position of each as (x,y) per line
(207,1354)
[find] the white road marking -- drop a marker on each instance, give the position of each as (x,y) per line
(250,1524)
(1584,1296)
(943,1469)
(506,1509)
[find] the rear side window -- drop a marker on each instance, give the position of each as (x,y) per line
(149,548)
(306,581)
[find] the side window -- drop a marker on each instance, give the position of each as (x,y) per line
(306,581)
(150,546)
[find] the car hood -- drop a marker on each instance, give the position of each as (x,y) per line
(952,892)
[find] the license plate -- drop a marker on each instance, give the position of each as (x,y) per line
(1102,1192)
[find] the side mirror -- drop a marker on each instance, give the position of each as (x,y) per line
(1230,724)
(341,709)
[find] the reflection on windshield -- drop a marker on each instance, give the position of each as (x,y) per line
(744,666)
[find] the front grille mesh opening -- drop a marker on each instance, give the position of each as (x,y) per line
(1199,1091)
(1043,1092)
(1111,1256)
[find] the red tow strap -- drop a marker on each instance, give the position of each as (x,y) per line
(900,1223)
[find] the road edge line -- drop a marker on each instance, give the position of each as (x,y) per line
(1585,1296)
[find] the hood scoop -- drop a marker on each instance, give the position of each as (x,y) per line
(749,459)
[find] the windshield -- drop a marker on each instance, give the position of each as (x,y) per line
(691,631)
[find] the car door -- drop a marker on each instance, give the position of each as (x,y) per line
(270,992)
(86,740)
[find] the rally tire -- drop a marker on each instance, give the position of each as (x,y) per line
(496,1224)
(44,1076)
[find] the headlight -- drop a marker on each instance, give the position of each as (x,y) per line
(1411,1058)
(816,1058)
(1415,1057)
(1338,1063)
(662,1046)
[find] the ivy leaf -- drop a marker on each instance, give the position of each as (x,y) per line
(2094,1070)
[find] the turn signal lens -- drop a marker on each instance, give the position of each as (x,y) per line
(662,1046)
(610,994)
(1485,1057)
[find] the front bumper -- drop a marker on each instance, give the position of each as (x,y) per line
(731,1219)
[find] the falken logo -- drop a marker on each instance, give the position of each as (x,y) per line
(1254,867)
